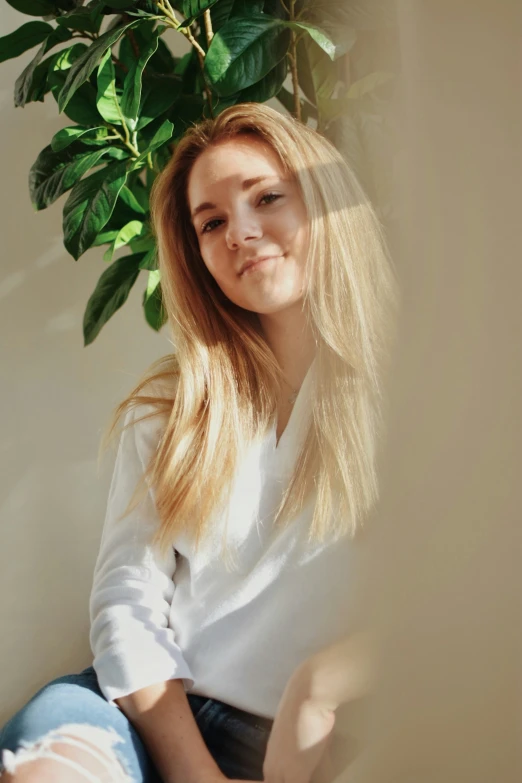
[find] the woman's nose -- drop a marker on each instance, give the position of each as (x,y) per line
(242,229)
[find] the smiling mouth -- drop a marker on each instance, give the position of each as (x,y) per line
(251,265)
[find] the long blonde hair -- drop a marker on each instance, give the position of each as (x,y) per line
(220,386)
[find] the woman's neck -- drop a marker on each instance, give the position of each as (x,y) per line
(292,343)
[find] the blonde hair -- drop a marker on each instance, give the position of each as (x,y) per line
(221,383)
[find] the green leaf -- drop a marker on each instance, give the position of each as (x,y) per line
(131,97)
(88,18)
(32,84)
(268,86)
(131,230)
(243,51)
(31,87)
(260,92)
(318,76)
(28,35)
(67,136)
(106,98)
(53,173)
(162,135)
(318,35)
(121,5)
(194,8)
(85,65)
(159,93)
(122,213)
(110,294)
(153,302)
(104,237)
(162,61)
(82,106)
(187,110)
(90,205)
(142,244)
(150,259)
(66,57)
(128,197)
(224,10)
(31,79)
(332,109)
(33,7)
(368,84)
(227,8)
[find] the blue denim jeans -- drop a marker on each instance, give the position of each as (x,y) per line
(236,739)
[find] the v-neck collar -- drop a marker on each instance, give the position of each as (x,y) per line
(297,423)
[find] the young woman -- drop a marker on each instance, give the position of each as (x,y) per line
(220,606)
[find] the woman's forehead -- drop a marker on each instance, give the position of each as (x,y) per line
(231,162)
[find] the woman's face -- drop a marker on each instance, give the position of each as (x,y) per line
(251,224)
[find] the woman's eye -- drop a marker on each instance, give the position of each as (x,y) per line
(271,197)
(209,226)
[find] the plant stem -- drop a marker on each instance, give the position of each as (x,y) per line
(173,21)
(126,139)
(167,9)
(201,52)
(208,26)
(292,56)
(119,63)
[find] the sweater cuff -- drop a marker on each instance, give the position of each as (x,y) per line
(121,672)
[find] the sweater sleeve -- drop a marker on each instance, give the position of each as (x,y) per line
(130,637)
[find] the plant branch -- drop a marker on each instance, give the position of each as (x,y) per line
(201,52)
(126,139)
(208,26)
(119,63)
(292,56)
(169,12)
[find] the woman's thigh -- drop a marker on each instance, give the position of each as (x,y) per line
(74,705)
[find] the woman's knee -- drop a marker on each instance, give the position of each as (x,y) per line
(70,753)
(69,722)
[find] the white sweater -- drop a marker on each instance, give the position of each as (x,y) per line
(234,634)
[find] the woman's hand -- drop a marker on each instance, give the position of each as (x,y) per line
(300,733)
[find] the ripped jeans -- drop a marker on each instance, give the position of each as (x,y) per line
(74,705)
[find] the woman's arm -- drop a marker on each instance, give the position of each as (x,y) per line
(130,634)
(162,716)
(306,714)
(140,667)
(340,673)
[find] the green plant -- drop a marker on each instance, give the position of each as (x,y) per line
(131,99)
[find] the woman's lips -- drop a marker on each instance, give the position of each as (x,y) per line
(250,266)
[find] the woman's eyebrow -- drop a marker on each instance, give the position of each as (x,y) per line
(245,185)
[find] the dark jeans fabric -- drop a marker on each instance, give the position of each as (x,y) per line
(236,739)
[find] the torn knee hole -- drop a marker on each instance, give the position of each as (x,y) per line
(96,741)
